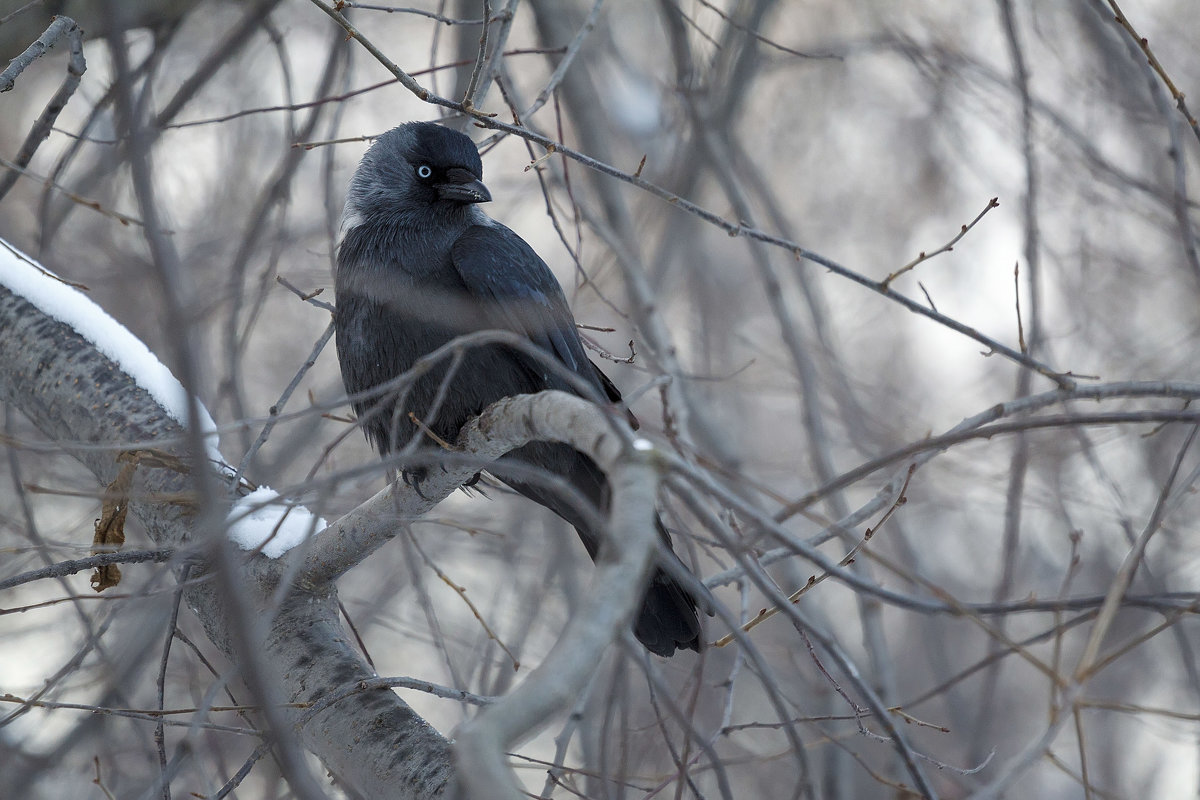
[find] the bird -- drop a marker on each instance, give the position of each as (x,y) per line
(420,263)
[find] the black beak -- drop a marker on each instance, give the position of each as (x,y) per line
(462,186)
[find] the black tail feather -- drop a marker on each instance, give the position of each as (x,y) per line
(668,620)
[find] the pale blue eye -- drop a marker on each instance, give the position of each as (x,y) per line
(424,171)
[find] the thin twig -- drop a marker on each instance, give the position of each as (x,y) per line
(64,568)
(7,17)
(813,580)
(568,58)
(1062,379)
(275,410)
(95,205)
(1017,296)
(60,27)
(1144,43)
(76,66)
(468,100)
(461,591)
(946,248)
(1124,577)
(160,739)
(416,11)
(758,36)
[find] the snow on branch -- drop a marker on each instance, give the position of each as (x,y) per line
(90,380)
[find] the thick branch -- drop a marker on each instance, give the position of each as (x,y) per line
(504,426)
(612,597)
(80,398)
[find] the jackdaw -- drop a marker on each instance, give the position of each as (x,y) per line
(419,264)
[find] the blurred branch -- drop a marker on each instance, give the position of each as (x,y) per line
(165,18)
(1018,470)
(405,79)
(279,405)
(442,18)
(60,27)
(75,394)
(469,97)
(339,98)
(206,70)
(814,580)
(807,548)
(76,66)
(560,71)
(308,616)
(611,598)
(980,425)
(1129,566)
(10,16)
(763,39)
(17,169)
(1182,204)
(868,695)
(275,195)
(1063,379)
(1144,43)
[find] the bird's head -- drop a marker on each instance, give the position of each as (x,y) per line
(416,172)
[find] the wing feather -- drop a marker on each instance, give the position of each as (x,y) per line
(519,293)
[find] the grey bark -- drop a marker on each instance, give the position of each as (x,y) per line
(367,737)
(371,740)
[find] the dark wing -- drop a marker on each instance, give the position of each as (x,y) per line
(519,293)
(614,394)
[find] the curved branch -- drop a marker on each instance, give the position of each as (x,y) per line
(79,397)
(612,597)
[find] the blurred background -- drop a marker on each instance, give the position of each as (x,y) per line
(866,132)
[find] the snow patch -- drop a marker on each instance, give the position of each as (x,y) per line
(43,289)
(263,519)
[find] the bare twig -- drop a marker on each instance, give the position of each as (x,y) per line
(415,11)
(564,63)
(95,205)
(946,248)
(1142,42)
(1062,379)
(468,100)
(1125,573)
(91,562)
(1017,300)
(76,66)
(813,580)
(60,27)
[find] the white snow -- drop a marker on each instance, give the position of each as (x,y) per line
(260,519)
(68,305)
(264,519)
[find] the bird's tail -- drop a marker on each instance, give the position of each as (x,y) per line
(667,620)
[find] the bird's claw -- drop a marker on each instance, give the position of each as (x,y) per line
(413,478)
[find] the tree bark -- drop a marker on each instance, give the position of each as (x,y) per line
(371,740)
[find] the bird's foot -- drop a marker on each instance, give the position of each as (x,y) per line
(413,479)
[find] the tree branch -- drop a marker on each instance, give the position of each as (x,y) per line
(612,597)
(81,398)
(305,651)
